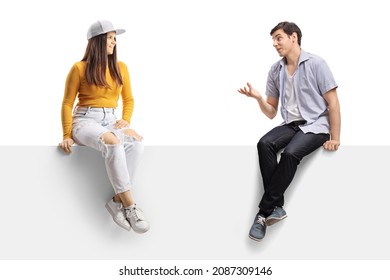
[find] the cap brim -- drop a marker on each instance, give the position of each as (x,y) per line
(119,31)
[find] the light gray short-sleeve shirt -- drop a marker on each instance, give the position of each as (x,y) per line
(313,79)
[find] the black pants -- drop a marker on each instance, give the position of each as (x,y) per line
(277,176)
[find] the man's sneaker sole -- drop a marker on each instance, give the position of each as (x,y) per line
(117,222)
(274,220)
(255,239)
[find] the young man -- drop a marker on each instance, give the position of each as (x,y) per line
(305,87)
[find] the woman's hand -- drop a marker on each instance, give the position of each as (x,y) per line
(121,124)
(66,145)
(133,133)
(130,132)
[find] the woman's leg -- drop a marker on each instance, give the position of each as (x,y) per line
(90,131)
(133,149)
(116,163)
(125,198)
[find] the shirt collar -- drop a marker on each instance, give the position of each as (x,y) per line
(302,57)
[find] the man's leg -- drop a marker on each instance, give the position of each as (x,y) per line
(267,148)
(300,146)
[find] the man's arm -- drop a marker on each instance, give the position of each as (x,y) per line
(269,106)
(334,119)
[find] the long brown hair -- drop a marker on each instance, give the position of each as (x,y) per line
(97,60)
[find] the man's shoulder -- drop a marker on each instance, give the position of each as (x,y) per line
(314,58)
(275,68)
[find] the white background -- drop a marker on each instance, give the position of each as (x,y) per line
(186,60)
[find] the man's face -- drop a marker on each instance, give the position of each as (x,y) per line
(282,42)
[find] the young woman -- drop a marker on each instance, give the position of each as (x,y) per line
(98,80)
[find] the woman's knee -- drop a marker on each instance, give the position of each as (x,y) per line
(133,146)
(110,139)
(139,147)
(132,133)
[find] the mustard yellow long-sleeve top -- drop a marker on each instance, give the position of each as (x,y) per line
(93,96)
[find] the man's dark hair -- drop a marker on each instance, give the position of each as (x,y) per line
(289,28)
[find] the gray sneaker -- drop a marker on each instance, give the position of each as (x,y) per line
(258,229)
(136,219)
(277,215)
(118,214)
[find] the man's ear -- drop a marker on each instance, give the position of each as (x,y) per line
(295,36)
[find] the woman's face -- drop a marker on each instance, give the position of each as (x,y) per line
(111,42)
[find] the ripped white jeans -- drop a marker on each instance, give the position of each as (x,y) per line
(121,160)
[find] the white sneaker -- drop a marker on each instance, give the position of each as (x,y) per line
(118,214)
(136,219)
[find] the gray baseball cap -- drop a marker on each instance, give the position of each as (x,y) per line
(101,27)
